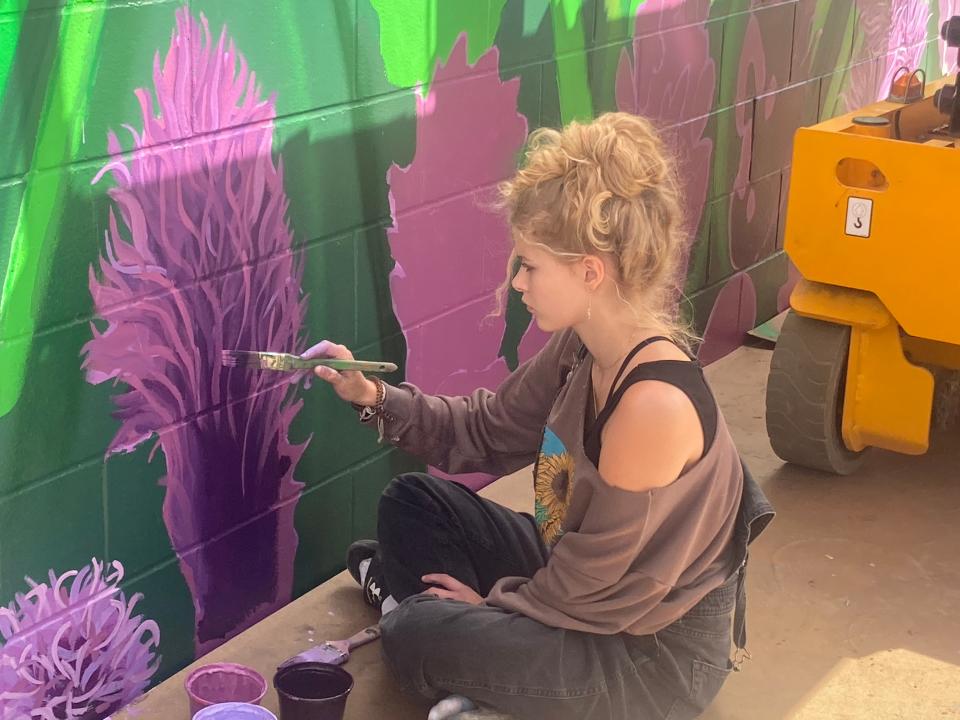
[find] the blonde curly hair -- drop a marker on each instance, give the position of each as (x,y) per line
(606,187)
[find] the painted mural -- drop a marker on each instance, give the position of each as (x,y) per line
(178,180)
(73,649)
(205,265)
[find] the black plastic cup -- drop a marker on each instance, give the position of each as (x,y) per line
(312,691)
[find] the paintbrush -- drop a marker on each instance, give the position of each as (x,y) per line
(335,652)
(286,362)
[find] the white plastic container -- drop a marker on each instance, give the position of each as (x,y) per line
(234,711)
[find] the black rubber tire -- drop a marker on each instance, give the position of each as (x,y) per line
(805,392)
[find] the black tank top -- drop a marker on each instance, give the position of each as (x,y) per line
(684,374)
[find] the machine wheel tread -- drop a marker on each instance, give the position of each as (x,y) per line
(805,395)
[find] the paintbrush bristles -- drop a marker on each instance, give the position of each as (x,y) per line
(281,362)
(239,358)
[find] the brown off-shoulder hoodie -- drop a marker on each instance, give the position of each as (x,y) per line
(620,561)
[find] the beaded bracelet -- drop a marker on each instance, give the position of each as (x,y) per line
(369,412)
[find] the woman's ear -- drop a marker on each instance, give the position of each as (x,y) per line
(593,271)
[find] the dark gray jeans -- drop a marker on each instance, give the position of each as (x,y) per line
(508,661)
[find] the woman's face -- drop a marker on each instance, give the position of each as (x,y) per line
(550,288)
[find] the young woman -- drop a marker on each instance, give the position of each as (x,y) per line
(616,597)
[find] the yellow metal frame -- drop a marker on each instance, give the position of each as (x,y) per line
(911,257)
(887,400)
(894,288)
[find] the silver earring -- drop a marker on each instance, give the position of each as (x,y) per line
(589,303)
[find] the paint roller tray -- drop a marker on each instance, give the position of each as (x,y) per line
(224,682)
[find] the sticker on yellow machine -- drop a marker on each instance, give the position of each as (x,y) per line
(859,216)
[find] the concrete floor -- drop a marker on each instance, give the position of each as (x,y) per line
(854,590)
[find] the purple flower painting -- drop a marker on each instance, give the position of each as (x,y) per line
(671,79)
(445,237)
(73,649)
(177,286)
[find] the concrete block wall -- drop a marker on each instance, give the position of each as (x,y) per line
(341,194)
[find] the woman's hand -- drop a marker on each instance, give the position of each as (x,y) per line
(350,385)
(451,589)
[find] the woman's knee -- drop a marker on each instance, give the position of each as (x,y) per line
(408,487)
(405,636)
(405,493)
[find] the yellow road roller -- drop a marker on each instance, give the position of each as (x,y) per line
(870,228)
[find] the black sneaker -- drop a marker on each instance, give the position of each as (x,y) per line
(373,586)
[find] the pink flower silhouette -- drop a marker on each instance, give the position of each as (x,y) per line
(451,249)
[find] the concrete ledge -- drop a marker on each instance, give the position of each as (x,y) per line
(331,611)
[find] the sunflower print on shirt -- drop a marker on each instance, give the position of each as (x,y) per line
(553,487)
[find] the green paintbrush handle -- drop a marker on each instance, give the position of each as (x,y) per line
(361,365)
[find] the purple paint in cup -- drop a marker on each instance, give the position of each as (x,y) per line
(312,691)
(223,683)
(234,711)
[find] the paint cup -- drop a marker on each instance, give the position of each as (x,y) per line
(234,711)
(312,691)
(224,683)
